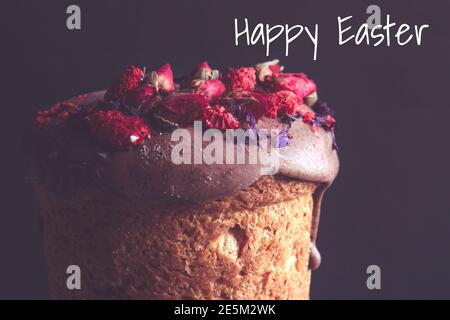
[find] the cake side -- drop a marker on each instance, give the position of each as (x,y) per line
(254,245)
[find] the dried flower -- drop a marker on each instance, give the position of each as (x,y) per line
(210,89)
(297,83)
(183,108)
(268,68)
(128,80)
(218,117)
(162,79)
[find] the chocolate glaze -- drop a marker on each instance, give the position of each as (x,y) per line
(147,173)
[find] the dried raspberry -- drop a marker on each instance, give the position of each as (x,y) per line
(162,79)
(210,89)
(286,102)
(243,78)
(127,81)
(116,130)
(55,114)
(272,108)
(183,108)
(297,83)
(330,121)
(308,117)
(142,99)
(267,68)
(218,117)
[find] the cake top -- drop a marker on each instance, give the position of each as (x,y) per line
(124,136)
(139,104)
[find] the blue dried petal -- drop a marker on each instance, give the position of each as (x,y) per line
(283,139)
(251,120)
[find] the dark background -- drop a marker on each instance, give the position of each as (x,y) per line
(390,204)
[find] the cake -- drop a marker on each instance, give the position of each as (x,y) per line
(139,225)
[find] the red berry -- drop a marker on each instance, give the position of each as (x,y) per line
(129,80)
(330,121)
(218,117)
(55,114)
(116,130)
(286,102)
(308,117)
(243,78)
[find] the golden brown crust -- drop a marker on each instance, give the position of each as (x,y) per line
(254,245)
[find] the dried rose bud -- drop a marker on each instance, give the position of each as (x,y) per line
(218,117)
(243,78)
(183,108)
(255,102)
(268,68)
(128,80)
(210,89)
(297,83)
(143,98)
(162,79)
(204,72)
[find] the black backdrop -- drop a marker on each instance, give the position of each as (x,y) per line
(390,204)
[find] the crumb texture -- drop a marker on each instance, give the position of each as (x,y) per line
(253,245)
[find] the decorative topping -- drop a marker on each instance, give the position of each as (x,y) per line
(268,68)
(55,115)
(257,103)
(142,99)
(243,78)
(283,139)
(183,108)
(308,117)
(330,121)
(116,130)
(218,117)
(286,102)
(297,83)
(204,72)
(210,89)
(117,121)
(129,80)
(162,79)
(311,99)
